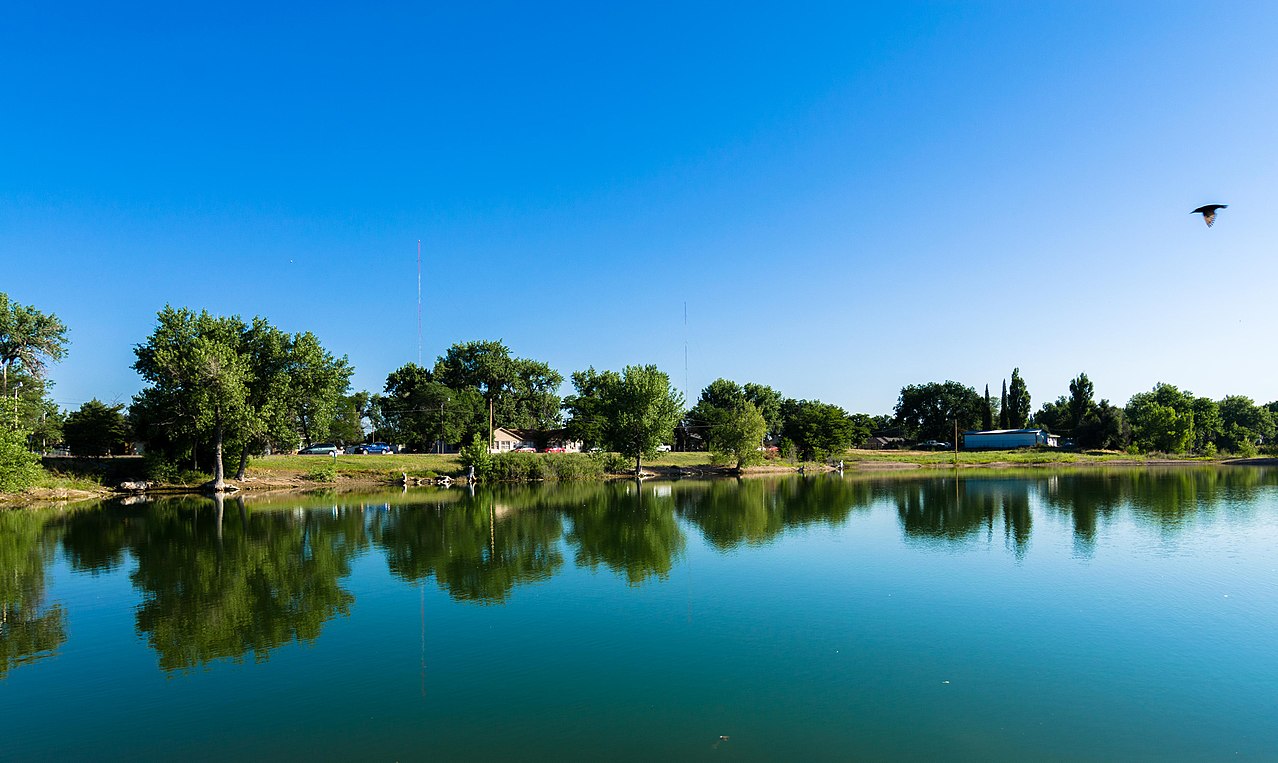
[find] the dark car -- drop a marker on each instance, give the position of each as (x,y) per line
(320,449)
(374,449)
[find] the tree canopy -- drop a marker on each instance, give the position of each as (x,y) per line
(97,430)
(928,411)
(639,410)
(217,380)
(28,338)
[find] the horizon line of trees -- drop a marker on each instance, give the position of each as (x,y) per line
(220,387)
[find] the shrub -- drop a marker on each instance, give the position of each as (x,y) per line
(325,473)
(157,468)
(476,454)
(19,467)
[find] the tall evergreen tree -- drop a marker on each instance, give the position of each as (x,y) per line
(987,419)
(1002,408)
(1018,402)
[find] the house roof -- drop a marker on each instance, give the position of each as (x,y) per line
(1034,430)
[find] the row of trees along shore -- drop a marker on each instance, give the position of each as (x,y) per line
(222,388)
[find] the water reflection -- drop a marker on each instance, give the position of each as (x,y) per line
(477,548)
(30,627)
(631,531)
(228,579)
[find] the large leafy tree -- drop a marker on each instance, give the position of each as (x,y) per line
(521,392)
(1243,424)
(194,360)
(1018,402)
(1162,419)
(28,338)
(586,416)
(1080,401)
(417,409)
(820,430)
(318,381)
(928,411)
(19,467)
(216,381)
(768,401)
(97,429)
(639,410)
(732,426)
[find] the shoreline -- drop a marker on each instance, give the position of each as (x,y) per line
(261,480)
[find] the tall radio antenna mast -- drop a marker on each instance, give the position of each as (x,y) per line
(419,301)
(685,351)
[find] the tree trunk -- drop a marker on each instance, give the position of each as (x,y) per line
(219,476)
(638,466)
(239,475)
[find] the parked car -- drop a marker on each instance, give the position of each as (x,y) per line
(554,450)
(374,449)
(320,449)
(933,445)
(525,450)
(663,448)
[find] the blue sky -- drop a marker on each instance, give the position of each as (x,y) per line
(849,198)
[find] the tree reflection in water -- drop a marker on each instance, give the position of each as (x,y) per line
(479,548)
(30,629)
(628,528)
(220,584)
(220,581)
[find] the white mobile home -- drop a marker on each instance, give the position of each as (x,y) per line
(1006,439)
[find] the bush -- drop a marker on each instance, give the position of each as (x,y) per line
(614,463)
(476,454)
(19,467)
(325,473)
(157,468)
(531,467)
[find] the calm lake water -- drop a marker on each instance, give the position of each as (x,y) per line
(1120,615)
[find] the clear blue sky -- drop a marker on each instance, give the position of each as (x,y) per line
(849,198)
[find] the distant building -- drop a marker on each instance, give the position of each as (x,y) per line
(1007,439)
(881,443)
(507,440)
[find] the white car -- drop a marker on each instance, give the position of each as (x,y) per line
(663,448)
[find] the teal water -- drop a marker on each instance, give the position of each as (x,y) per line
(1120,615)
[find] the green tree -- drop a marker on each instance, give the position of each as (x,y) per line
(1080,402)
(1002,408)
(768,401)
(418,409)
(1162,420)
(1018,402)
(737,434)
(19,467)
(640,410)
(1207,425)
(28,338)
(97,430)
(586,416)
(195,364)
(1243,424)
(318,381)
(987,413)
(1054,416)
(821,430)
(928,411)
(521,392)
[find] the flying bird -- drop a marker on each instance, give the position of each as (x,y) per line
(1208,212)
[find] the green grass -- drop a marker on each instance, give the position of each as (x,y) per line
(1021,456)
(364,467)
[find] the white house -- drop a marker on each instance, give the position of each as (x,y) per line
(1006,439)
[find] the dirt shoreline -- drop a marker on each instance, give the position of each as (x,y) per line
(275,483)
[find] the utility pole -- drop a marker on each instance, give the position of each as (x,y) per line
(490,423)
